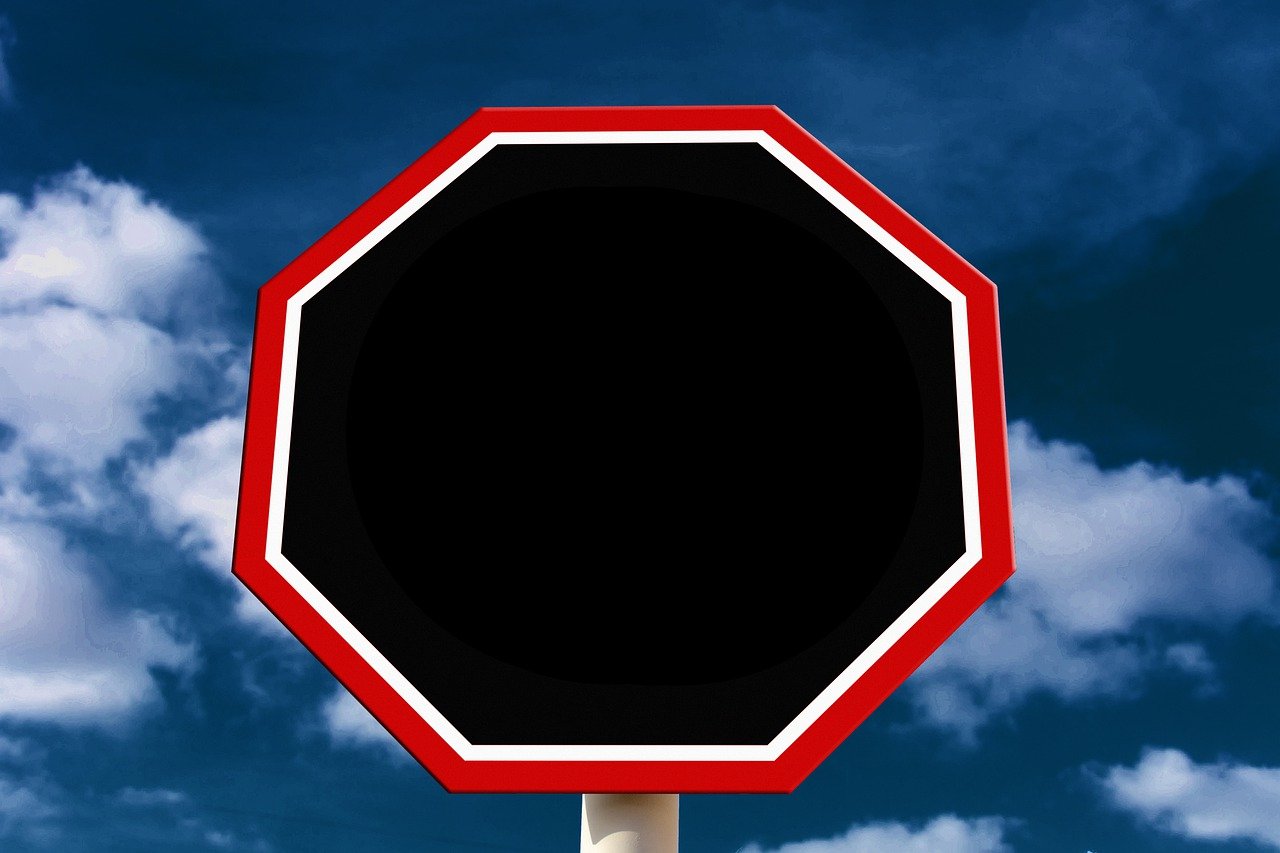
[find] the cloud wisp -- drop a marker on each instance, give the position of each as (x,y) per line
(1105,557)
(168,817)
(347,724)
(25,811)
(1073,128)
(29,802)
(945,832)
(1218,801)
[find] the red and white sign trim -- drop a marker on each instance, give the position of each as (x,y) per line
(925,621)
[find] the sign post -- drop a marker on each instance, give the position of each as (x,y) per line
(627,451)
(630,823)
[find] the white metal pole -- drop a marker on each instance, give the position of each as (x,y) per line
(630,823)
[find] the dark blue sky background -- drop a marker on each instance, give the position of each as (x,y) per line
(1114,167)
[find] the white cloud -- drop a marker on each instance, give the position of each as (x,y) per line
(99,245)
(1206,802)
(193,492)
(100,317)
(349,724)
(68,657)
(106,311)
(77,385)
(946,832)
(1109,548)
(1103,555)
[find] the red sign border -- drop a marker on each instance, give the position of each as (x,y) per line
(780,775)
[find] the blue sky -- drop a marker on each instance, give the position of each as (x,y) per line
(1114,167)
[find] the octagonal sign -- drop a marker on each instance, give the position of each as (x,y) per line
(625,450)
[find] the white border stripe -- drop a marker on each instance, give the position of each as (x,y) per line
(575,752)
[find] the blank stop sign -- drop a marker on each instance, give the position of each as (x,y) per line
(619,459)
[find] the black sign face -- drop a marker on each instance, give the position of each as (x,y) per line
(648,441)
